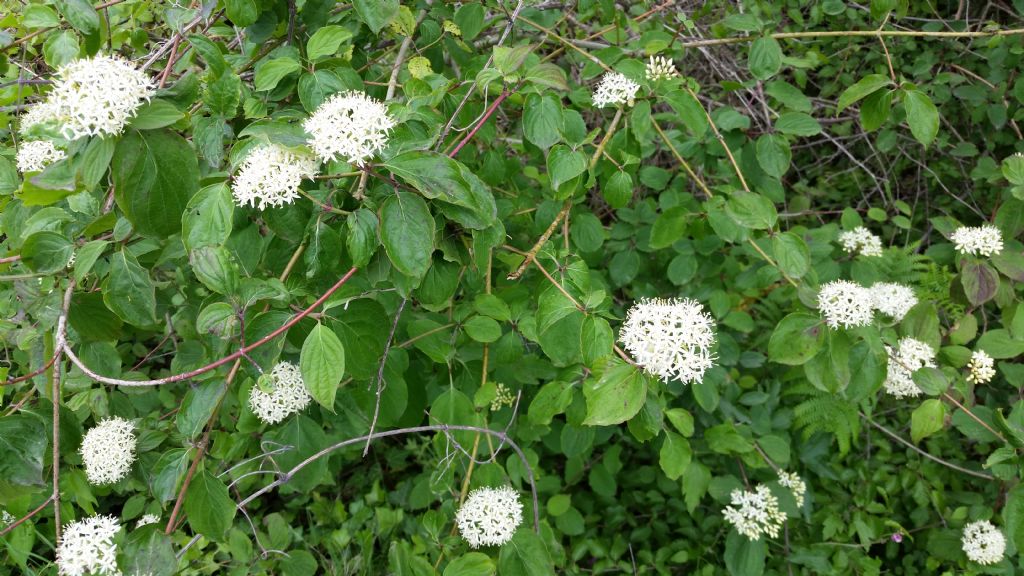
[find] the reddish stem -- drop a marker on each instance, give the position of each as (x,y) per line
(486,117)
(24,518)
(31,374)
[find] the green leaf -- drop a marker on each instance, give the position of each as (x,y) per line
(46,252)
(773,154)
(930,380)
(690,111)
(797,338)
(197,407)
(154,114)
(471,564)
(209,508)
(214,267)
(23,440)
(39,16)
(797,124)
(208,49)
(148,550)
(1000,345)
(407,232)
(875,110)
(861,89)
(306,438)
(81,14)
(765,58)
(470,20)
(675,455)
(376,13)
(752,211)
(270,73)
(155,174)
(791,254)
(466,198)
(325,41)
(668,227)
(922,115)
(207,220)
(319,86)
(361,239)
(322,362)
(618,190)
(525,555)
(242,13)
(744,557)
(565,166)
(616,396)
(927,419)
(482,329)
(596,339)
(129,292)
(1013,169)
(59,49)
(542,120)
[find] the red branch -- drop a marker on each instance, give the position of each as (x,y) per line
(24,518)
(233,356)
(31,374)
(486,117)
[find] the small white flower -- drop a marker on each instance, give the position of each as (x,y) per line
(270,176)
(982,367)
(861,240)
(893,299)
(146,520)
(670,339)
(983,542)
(87,547)
(985,240)
(795,484)
(288,395)
(35,155)
(490,516)
(93,97)
(912,355)
(846,304)
(615,89)
(39,113)
(108,451)
(349,126)
(660,68)
(6,518)
(754,513)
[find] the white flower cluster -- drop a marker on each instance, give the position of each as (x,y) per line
(35,155)
(796,485)
(892,299)
(861,240)
(660,68)
(108,451)
(146,520)
(350,126)
(982,367)
(846,304)
(6,518)
(288,395)
(615,89)
(670,339)
(503,397)
(912,355)
(984,240)
(756,512)
(87,547)
(92,97)
(270,176)
(983,542)
(489,516)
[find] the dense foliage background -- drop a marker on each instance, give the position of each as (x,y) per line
(793,121)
